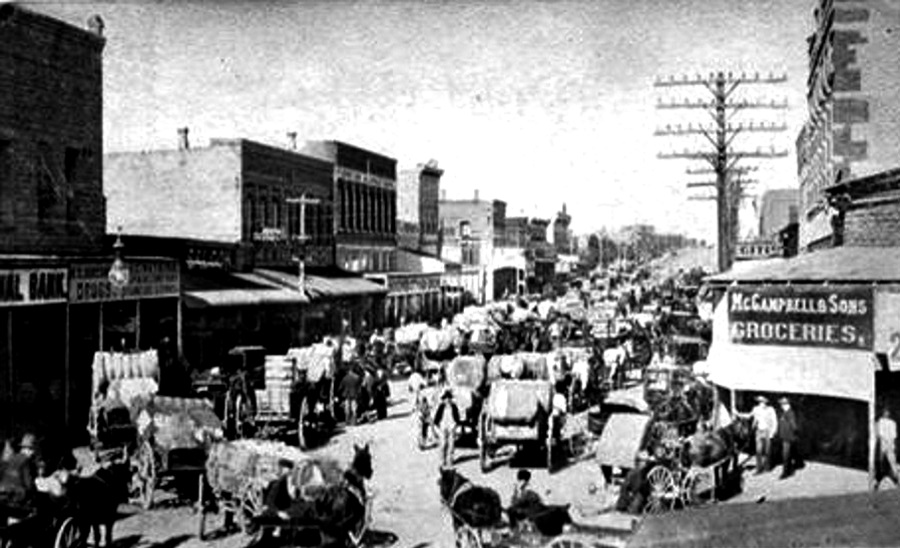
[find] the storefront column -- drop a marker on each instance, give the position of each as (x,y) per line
(67,384)
(137,326)
(100,327)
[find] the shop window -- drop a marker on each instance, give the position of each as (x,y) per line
(120,325)
(47,198)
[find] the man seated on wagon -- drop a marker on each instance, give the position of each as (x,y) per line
(18,472)
(635,489)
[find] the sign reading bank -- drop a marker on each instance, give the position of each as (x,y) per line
(819,316)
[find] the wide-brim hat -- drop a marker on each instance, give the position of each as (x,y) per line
(762,399)
(784,400)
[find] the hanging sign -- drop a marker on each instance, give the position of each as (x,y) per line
(90,282)
(33,286)
(887,327)
(818,316)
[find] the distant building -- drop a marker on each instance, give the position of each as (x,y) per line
(471,231)
(562,236)
(418,194)
(853,128)
(365,204)
(778,208)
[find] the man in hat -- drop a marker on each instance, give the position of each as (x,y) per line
(887,440)
(447,419)
(788,432)
(765,422)
(524,500)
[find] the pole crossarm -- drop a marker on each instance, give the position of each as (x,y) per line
(702,198)
(697,184)
(708,171)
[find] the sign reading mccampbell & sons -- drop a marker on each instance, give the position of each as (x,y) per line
(826,317)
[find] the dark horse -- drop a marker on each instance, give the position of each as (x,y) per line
(474,505)
(721,447)
(95,499)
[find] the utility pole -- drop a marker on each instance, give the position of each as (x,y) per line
(722,158)
(301,238)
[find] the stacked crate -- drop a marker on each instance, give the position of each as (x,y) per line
(275,399)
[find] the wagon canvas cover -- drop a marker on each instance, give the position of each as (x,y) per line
(317,360)
(621,439)
(518,401)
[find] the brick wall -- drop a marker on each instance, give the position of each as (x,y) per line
(51,135)
(873,226)
(192,193)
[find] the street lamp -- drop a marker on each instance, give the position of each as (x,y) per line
(118,273)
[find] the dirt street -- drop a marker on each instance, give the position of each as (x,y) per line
(406,500)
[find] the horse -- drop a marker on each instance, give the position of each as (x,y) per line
(95,499)
(470,504)
(710,446)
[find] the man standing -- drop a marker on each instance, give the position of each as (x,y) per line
(350,386)
(766,423)
(887,438)
(788,432)
(447,418)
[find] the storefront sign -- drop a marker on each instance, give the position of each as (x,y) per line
(817,316)
(33,286)
(887,327)
(90,282)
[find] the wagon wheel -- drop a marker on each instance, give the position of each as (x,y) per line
(663,490)
(699,487)
(71,534)
(251,506)
(143,476)
(484,443)
(573,541)
(243,417)
(301,424)
(466,537)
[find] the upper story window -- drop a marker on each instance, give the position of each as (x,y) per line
(465,229)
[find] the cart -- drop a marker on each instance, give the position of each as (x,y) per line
(59,528)
(466,377)
(165,437)
(238,473)
(518,409)
(436,350)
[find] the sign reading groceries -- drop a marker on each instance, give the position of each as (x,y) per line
(820,316)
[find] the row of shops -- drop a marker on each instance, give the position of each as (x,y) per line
(56,313)
(822,329)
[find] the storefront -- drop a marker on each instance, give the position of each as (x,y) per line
(822,329)
(411,297)
(55,314)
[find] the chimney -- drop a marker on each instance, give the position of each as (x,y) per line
(292,140)
(96,25)
(183,143)
(476,194)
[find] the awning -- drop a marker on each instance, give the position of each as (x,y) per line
(323,287)
(242,297)
(840,264)
(788,369)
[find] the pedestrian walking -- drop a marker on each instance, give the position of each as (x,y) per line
(887,439)
(447,419)
(765,422)
(788,432)
(350,388)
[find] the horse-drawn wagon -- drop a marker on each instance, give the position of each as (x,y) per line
(436,350)
(165,437)
(518,410)
(331,505)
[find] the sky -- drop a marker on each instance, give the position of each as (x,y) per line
(534,103)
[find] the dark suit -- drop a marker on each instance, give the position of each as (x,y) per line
(788,432)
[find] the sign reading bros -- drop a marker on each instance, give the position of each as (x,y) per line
(818,316)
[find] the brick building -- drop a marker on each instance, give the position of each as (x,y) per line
(562,236)
(57,304)
(418,192)
(854,105)
(471,230)
(364,187)
(237,214)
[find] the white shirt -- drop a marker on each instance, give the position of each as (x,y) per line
(765,419)
(559,404)
(582,370)
(887,431)
(416,382)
